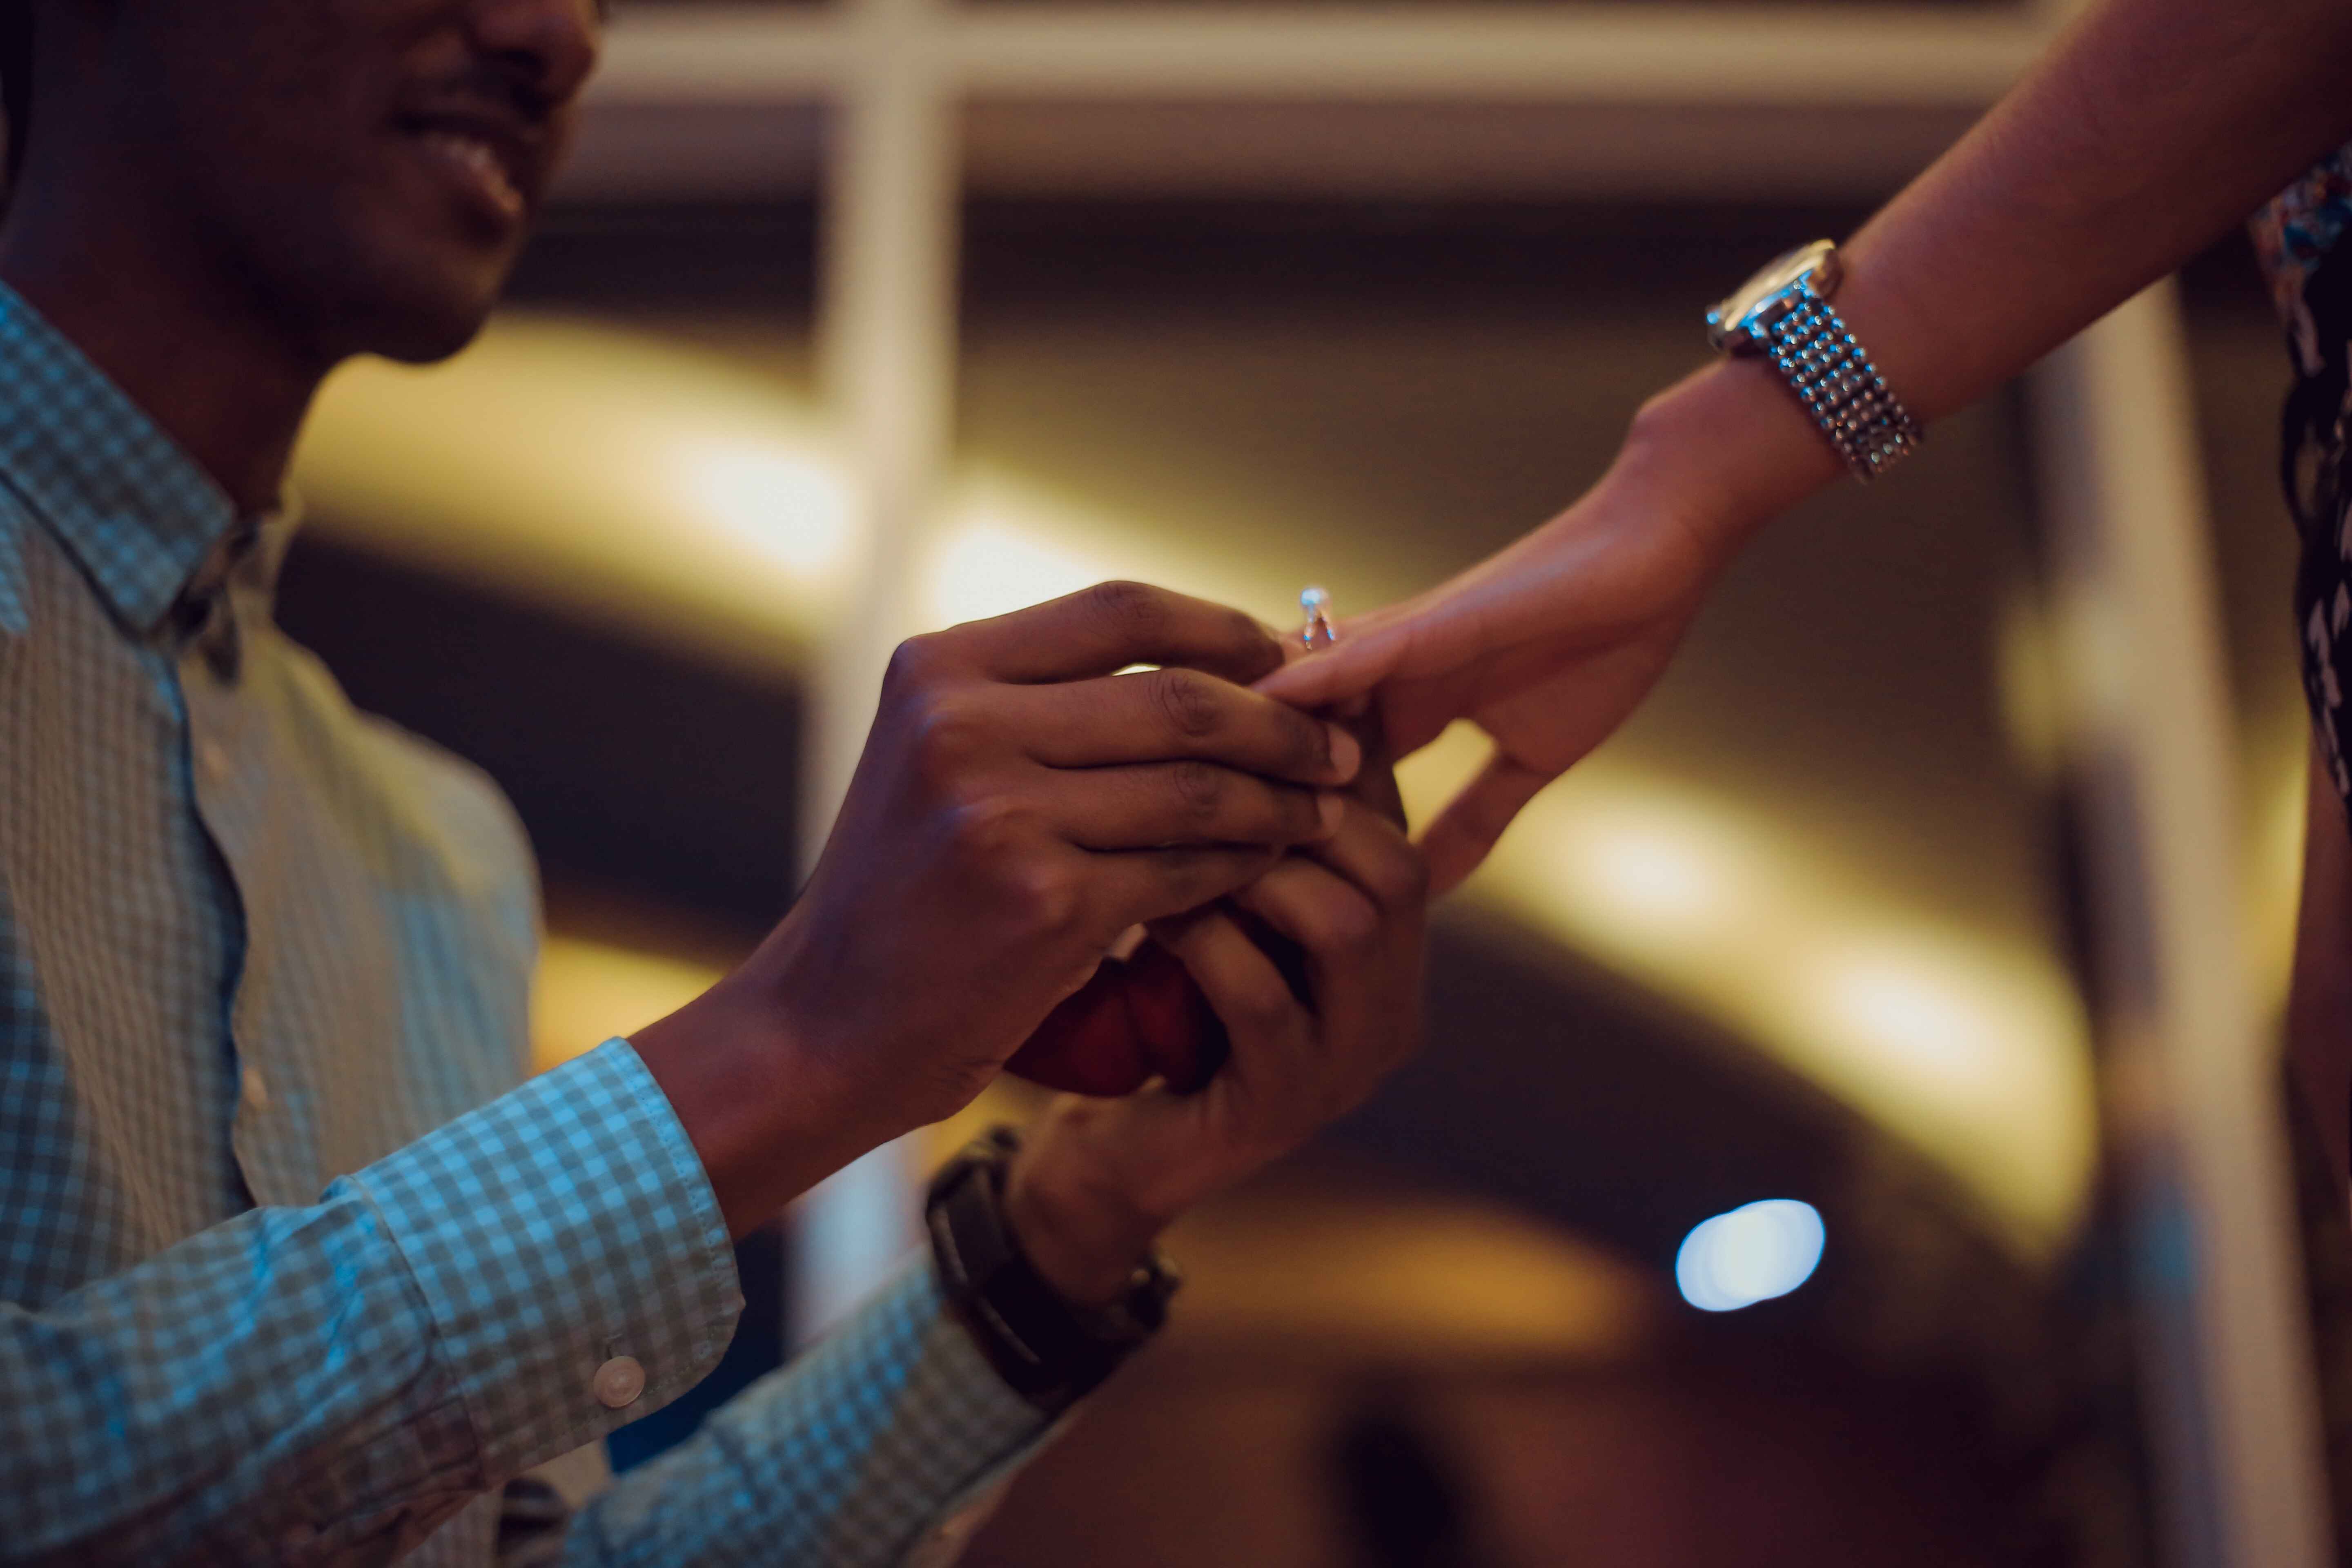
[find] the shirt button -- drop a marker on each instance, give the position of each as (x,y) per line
(619,1381)
(212,761)
(256,1089)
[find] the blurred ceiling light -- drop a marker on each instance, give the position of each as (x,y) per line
(1753,1254)
(1664,867)
(987,567)
(619,475)
(1982,1046)
(1353,1269)
(1007,543)
(779,499)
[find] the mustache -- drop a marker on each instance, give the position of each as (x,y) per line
(495,85)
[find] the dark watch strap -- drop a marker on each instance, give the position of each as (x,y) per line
(1050,1351)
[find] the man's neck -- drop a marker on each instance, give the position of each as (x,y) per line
(209,373)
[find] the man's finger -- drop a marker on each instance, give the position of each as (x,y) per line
(1111,626)
(1367,653)
(1372,852)
(1244,987)
(1153,806)
(1136,887)
(1346,946)
(1331,919)
(1160,714)
(1461,834)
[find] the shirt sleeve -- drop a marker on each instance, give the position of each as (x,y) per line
(882,1447)
(337,1379)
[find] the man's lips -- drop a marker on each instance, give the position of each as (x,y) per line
(498,162)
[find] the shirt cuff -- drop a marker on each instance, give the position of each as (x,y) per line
(880,1446)
(570,1254)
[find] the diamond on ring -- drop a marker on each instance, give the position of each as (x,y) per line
(1315,604)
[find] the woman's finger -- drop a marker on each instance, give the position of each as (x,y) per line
(1460,837)
(1367,653)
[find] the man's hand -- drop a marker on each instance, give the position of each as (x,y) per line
(1018,806)
(1099,1179)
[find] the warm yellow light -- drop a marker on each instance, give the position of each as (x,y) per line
(779,499)
(987,567)
(584,992)
(1006,543)
(1666,871)
(1984,1046)
(611,473)
(1420,1277)
(2274,868)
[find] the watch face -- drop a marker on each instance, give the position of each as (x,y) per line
(1727,323)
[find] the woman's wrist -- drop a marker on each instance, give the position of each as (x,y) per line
(1726,450)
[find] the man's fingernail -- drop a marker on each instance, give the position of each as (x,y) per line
(1332,809)
(1347,753)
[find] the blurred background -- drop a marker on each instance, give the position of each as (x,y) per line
(861,319)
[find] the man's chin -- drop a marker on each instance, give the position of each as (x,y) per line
(417,315)
(419,341)
(422,331)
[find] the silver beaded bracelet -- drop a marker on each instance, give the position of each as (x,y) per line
(1784,314)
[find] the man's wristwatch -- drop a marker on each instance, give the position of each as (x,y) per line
(1784,314)
(1052,1351)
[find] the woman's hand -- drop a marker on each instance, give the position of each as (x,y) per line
(1547,647)
(2148,129)
(1100,1178)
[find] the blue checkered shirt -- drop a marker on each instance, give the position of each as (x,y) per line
(294,1266)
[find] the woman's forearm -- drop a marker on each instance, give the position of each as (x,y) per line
(2146,132)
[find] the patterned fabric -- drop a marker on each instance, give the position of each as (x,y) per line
(881,1409)
(294,1267)
(2299,238)
(2310,275)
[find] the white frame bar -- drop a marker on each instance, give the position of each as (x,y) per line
(686,54)
(2191,1082)
(886,355)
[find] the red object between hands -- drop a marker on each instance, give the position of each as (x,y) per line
(1139,1018)
(1143,1017)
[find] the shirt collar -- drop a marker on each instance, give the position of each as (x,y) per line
(134,510)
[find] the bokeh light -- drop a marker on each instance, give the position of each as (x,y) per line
(1753,1254)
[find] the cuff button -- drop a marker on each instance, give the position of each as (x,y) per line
(619,1381)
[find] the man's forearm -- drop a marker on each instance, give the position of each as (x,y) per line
(434,1324)
(2148,130)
